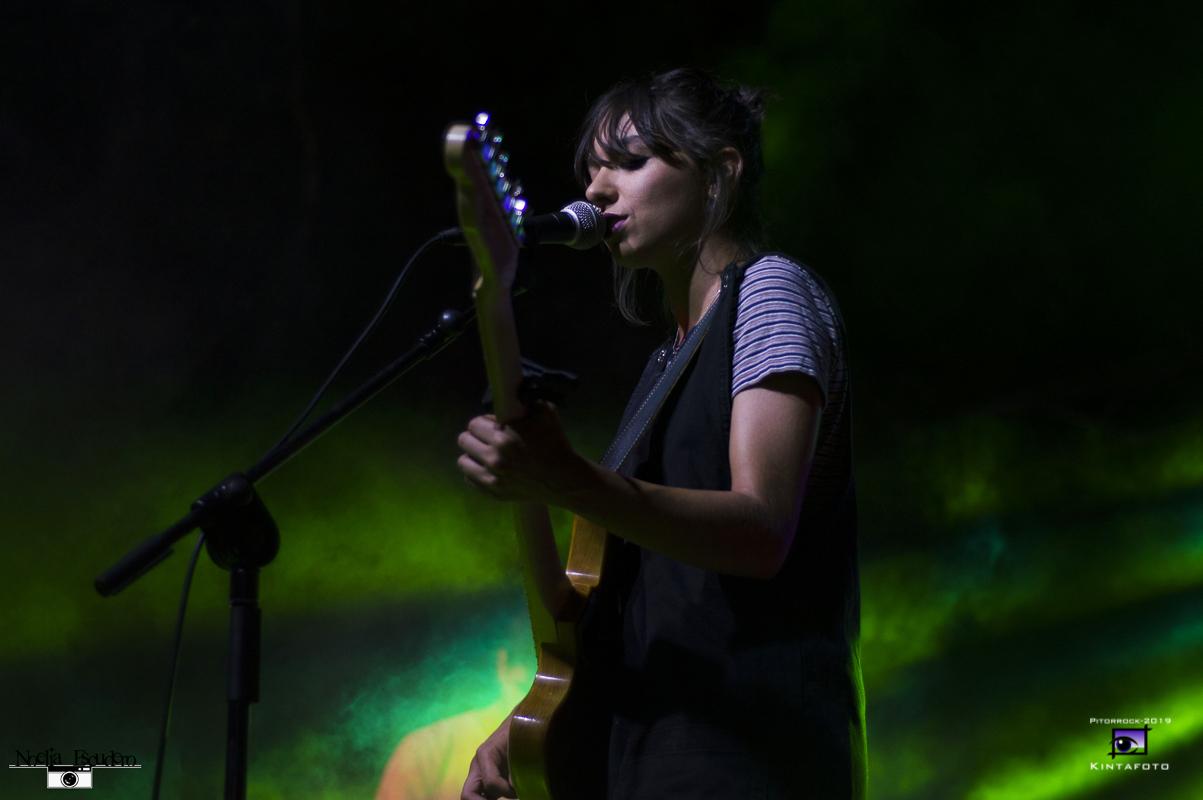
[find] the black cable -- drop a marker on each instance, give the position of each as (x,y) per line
(175,659)
(449,233)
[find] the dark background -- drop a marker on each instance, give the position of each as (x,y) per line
(201,205)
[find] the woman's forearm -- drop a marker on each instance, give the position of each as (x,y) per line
(723,531)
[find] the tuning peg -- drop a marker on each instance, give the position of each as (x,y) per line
(491,151)
(517,214)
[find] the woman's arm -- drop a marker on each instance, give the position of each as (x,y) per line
(745,531)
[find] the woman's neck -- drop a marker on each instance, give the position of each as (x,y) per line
(691,290)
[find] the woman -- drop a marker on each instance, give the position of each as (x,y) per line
(738,673)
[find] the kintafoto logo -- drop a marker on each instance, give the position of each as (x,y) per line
(1130,741)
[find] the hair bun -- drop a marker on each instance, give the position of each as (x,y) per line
(751,100)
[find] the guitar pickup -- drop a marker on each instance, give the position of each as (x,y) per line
(540,383)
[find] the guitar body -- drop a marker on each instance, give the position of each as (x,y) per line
(559,733)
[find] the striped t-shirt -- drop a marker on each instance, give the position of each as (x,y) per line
(787,321)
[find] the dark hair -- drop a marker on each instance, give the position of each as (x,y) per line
(683,116)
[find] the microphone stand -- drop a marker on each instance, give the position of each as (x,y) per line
(242,538)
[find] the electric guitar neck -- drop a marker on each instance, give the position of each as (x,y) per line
(548,727)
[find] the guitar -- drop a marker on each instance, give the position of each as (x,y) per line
(557,741)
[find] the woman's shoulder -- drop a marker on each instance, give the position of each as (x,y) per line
(775,272)
(784,322)
(781,263)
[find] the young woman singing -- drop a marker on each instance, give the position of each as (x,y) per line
(737,674)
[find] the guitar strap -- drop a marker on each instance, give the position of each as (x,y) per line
(641,421)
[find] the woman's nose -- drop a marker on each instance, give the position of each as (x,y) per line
(600,191)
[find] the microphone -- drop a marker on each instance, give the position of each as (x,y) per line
(578,225)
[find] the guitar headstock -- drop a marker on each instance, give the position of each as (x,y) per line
(489,200)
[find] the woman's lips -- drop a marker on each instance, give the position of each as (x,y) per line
(614,223)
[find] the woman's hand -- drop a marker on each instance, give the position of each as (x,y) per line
(489,775)
(527,460)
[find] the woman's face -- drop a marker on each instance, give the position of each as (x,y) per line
(654,210)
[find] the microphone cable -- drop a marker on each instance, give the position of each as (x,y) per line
(175,660)
(444,235)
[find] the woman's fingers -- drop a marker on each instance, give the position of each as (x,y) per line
(474,786)
(496,784)
(486,780)
(479,476)
(524,460)
(480,452)
(487,429)
(498,788)
(481,465)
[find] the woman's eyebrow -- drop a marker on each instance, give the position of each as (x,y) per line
(633,139)
(614,150)
(622,143)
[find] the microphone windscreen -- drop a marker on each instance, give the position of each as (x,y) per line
(591,228)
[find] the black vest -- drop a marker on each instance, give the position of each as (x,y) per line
(717,663)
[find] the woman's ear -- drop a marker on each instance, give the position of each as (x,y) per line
(729,166)
(731,163)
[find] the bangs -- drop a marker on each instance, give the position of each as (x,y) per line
(604,126)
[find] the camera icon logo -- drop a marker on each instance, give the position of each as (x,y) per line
(1130,741)
(62,776)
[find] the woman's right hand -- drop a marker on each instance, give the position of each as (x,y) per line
(489,775)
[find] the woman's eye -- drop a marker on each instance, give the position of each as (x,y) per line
(635,162)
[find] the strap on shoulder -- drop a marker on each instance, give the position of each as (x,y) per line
(624,444)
